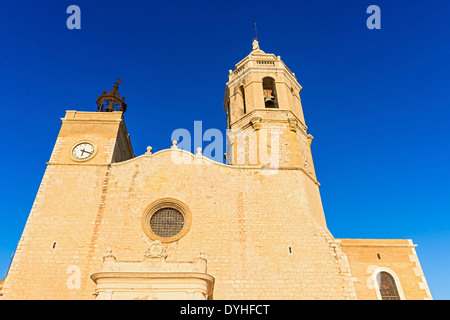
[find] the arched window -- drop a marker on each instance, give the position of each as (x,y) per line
(242,91)
(388,288)
(270,95)
(228,114)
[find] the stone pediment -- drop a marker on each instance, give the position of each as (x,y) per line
(153,278)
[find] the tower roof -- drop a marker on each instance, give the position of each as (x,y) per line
(258,60)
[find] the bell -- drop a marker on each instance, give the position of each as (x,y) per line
(269,103)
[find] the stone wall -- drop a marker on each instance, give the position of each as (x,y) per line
(257,230)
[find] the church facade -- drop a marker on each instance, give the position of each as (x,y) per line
(107,224)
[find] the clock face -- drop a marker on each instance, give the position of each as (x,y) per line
(83,150)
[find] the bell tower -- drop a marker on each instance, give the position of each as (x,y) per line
(265,121)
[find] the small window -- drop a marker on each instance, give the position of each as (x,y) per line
(387,286)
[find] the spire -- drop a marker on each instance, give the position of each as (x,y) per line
(111,101)
(255,42)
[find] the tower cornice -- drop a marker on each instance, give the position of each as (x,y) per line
(289,118)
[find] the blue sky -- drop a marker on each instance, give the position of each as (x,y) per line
(376,101)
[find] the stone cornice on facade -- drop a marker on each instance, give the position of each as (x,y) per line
(191,159)
(103,117)
(152,275)
(195,160)
(376,243)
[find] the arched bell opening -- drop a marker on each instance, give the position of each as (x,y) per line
(270,97)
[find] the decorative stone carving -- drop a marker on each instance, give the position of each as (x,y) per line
(255,45)
(109,256)
(292,124)
(156,250)
(256,123)
(310,139)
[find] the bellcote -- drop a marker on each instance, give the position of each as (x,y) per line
(261,81)
(109,102)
